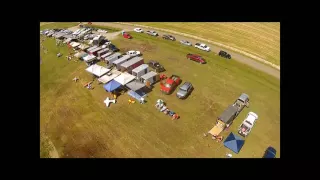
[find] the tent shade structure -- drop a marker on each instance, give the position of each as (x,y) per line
(131,64)
(109,76)
(89,58)
(151,77)
(74,44)
(140,70)
(106,55)
(121,60)
(111,86)
(124,78)
(233,142)
(112,58)
(102,52)
(80,54)
(137,94)
(83,47)
(135,85)
(97,70)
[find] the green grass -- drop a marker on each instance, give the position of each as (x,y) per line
(79,124)
(259,38)
(54,25)
(109,29)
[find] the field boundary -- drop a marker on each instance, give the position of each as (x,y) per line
(209,41)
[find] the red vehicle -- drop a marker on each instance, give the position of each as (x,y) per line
(127,35)
(196,58)
(170,84)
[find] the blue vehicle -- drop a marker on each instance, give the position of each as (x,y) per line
(113,48)
(270,153)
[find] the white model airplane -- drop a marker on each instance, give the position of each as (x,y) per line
(108,101)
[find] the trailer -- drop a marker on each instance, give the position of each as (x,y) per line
(95,51)
(131,64)
(106,55)
(120,61)
(140,70)
(150,78)
(102,52)
(93,47)
(224,120)
(89,58)
(113,57)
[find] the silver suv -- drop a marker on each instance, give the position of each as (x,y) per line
(184,90)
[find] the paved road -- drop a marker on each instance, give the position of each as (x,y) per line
(236,56)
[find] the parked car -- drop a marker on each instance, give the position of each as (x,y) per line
(106,43)
(247,124)
(196,58)
(102,31)
(168,37)
(170,84)
(184,90)
(113,48)
(270,153)
(224,54)
(152,33)
(156,66)
(127,35)
(202,46)
(185,42)
(139,30)
(133,53)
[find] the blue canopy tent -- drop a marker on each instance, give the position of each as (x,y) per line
(233,142)
(111,86)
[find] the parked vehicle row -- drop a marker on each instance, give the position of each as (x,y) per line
(200,46)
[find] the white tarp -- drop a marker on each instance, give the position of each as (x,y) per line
(97,70)
(124,78)
(108,77)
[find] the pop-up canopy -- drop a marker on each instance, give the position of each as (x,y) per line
(111,86)
(234,143)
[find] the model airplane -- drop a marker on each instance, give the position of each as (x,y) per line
(108,101)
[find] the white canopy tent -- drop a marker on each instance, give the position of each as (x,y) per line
(124,78)
(109,76)
(97,70)
(74,44)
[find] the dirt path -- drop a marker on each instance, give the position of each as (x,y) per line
(236,56)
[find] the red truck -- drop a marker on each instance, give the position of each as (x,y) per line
(196,58)
(170,84)
(127,35)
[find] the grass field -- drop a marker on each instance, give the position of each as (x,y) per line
(79,125)
(257,38)
(54,25)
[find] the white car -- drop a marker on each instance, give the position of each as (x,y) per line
(202,46)
(106,44)
(139,30)
(248,123)
(152,33)
(133,53)
(185,42)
